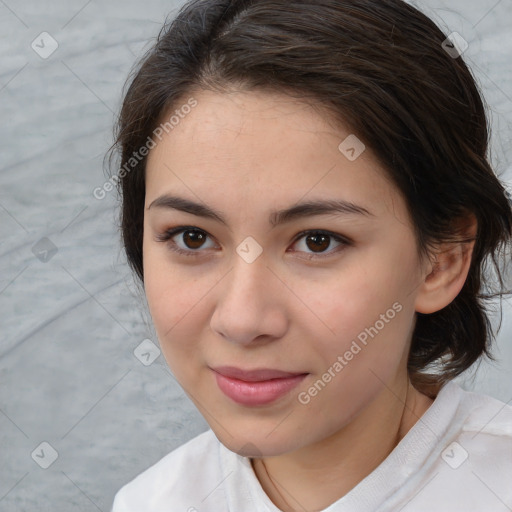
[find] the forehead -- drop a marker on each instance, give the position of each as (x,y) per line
(260,147)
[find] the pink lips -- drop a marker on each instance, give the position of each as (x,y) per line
(255,387)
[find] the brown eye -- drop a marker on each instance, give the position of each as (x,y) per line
(318,242)
(193,239)
(188,241)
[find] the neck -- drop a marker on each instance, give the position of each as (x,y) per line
(315,476)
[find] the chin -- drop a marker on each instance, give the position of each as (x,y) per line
(256,441)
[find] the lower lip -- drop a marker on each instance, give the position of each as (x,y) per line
(257,393)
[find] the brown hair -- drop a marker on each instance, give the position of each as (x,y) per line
(376,65)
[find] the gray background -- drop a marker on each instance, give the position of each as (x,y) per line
(72,318)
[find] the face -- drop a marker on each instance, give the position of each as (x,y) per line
(326,297)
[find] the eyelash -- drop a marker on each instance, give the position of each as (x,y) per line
(170,233)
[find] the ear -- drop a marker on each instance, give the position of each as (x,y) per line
(443,280)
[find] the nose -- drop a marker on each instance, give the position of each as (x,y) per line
(251,307)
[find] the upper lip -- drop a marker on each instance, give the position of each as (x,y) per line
(256,375)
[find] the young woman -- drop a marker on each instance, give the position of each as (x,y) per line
(307,200)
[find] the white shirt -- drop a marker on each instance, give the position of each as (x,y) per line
(456,458)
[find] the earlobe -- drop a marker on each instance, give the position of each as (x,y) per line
(445,278)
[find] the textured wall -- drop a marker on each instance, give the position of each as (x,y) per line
(71,316)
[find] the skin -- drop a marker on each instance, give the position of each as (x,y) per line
(245,154)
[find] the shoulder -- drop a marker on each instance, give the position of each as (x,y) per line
(458,458)
(479,458)
(176,480)
(486,415)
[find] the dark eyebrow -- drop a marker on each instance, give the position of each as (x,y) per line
(305,209)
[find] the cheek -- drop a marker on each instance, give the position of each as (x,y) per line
(350,299)
(173,298)
(171,303)
(366,314)
(363,355)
